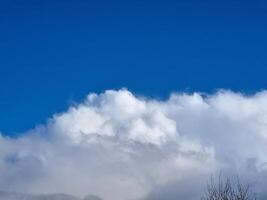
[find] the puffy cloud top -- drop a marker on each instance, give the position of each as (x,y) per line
(117,114)
(119,146)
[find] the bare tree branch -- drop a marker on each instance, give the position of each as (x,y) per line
(227,190)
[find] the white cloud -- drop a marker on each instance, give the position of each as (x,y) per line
(120,146)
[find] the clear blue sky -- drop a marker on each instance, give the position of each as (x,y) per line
(54,52)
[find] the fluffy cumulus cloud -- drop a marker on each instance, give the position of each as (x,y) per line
(120,146)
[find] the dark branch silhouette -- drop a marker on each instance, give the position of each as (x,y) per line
(228,190)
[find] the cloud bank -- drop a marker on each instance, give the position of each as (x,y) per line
(123,147)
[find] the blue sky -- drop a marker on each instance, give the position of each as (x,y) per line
(55,52)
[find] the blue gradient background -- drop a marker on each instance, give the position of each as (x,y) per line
(55,52)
